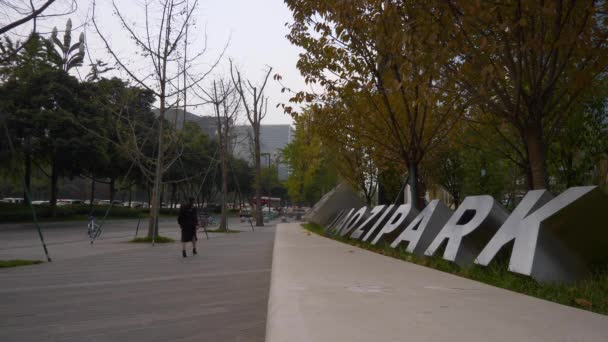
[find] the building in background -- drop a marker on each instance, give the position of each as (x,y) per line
(176,116)
(273,138)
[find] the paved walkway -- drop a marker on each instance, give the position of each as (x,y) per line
(117,291)
(323,290)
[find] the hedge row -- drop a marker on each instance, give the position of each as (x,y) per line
(10,212)
(21,213)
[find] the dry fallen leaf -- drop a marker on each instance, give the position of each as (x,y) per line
(583,302)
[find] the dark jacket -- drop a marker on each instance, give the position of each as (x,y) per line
(187,217)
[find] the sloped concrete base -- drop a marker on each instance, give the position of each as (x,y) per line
(340,197)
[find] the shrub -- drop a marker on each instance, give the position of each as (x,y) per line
(168,211)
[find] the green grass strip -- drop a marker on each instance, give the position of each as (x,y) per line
(158,239)
(589,294)
(18,262)
(229,231)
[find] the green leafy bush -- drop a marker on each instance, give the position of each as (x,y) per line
(158,239)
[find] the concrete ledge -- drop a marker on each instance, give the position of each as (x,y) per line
(323,290)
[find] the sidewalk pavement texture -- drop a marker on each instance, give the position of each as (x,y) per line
(324,290)
(119,291)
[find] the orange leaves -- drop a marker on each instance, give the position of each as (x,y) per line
(486,73)
(483,42)
(582,80)
(583,302)
(523,22)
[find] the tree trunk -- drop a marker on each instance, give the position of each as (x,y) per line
(413,183)
(536,157)
(54,178)
(456,200)
(149,194)
(528,173)
(27,180)
(130,195)
(112,189)
(603,172)
(184,195)
(222,130)
(158,174)
(153,224)
(173,191)
(224,166)
(259,220)
(223,223)
(92,198)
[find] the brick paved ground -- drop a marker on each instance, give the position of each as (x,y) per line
(118,291)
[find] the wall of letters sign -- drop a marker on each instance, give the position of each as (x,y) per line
(550,238)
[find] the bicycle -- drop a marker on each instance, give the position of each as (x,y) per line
(204,222)
(93,229)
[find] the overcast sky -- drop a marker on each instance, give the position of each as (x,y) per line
(254,30)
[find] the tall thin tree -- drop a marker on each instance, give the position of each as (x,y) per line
(256,107)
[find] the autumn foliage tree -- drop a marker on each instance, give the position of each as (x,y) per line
(527,63)
(311,171)
(384,64)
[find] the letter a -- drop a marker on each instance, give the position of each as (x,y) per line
(424,228)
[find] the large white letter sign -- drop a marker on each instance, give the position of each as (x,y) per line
(469,229)
(336,219)
(374,228)
(402,216)
(352,222)
(363,227)
(424,228)
(559,240)
(342,221)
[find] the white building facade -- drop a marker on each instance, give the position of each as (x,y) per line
(273,138)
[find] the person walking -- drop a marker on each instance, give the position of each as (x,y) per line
(188,222)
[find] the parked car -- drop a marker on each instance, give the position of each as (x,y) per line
(12,200)
(115,203)
(63,201)
(40,202)
(213,207)
(137,204)
(245,213)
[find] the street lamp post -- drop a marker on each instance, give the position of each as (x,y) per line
(269,180)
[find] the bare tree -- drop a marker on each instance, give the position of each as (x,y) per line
(163,39)
(25,11)
(256,109)
(226,105)
(18,13)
